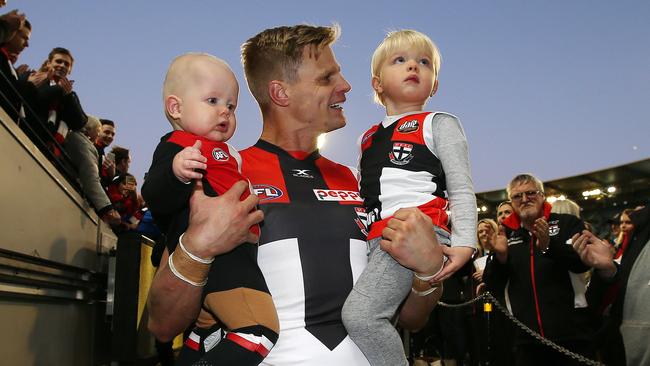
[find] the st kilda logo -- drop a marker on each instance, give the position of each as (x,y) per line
(219,155)
(408,126)
(401,153)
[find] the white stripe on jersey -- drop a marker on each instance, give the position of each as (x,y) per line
(402,188)
(280,263)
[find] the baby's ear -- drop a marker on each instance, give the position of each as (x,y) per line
(173,106)
(376,85)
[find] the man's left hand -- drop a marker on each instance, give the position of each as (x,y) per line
(409,238)
(540,229)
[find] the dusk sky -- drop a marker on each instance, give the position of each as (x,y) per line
(556,88)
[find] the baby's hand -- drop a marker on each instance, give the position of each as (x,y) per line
(187,161)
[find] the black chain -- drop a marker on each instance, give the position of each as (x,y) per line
(488,296)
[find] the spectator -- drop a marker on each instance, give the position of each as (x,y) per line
(503,211)
(614,223)
(629,311)
(122,160)
(103,140)
(9,52)
(566,207)
(83,155)
(58,104)
(9,24)
(626,230)
(534,263)
(123,196)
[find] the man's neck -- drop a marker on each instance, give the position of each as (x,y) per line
(288,135)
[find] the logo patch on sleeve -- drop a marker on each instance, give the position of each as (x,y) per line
(219,155)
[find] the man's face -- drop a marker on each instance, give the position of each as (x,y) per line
(316,98)
(503,212)
(527,201)
(122,166)
(106,135)
(60,65)
(18,42)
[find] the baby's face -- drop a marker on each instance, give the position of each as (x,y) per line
(208,104)
(407,75)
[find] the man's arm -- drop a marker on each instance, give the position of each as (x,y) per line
(409,238)
(216,226)
(596,253)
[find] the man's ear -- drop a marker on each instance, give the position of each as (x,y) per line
(435,88)
(173,106)
(278,93)
(376,85)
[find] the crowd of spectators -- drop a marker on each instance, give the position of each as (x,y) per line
(43,102)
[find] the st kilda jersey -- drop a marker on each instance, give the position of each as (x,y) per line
(311,251)
(418,160)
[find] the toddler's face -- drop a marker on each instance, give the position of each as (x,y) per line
(406,76)
(208,105)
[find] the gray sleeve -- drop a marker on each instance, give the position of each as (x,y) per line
(84,157)
(450,146)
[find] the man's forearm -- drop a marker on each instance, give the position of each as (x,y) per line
(416,309)
(173,304)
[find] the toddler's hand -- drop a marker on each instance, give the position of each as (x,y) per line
(187,161)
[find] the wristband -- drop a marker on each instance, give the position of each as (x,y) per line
(425,292)
(198,259)
(181,277)
(429,278)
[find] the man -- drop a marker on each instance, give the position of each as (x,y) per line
(103,140)
(122,160)
(629,312)
(58,104)
(9,24)
(9,52)
(537,266)
(83,155)
(312,245)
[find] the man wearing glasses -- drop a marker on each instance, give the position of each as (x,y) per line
(542,275)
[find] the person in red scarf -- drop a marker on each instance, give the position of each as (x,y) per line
(123,196)
(627,228)
(14,43)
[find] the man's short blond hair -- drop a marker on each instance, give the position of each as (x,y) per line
(276,54)
(181,72)
(399,39)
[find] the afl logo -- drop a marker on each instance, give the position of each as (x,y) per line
(408,126)
(267,192)
(220,155)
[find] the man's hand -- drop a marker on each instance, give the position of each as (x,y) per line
(478,275)
(456,258)
(409,238)
(187,161)
(112,217)
(219,224)
(595,252)
(66,85)
(540,229)
(501,245)
(38,78)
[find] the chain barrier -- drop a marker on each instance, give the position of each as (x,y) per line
(488,296)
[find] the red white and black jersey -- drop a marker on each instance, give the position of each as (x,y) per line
(399,170)
(311,251)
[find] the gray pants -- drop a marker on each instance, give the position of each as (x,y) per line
(373,301)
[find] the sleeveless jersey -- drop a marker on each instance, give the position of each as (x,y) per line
(311,251)
(399,170)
